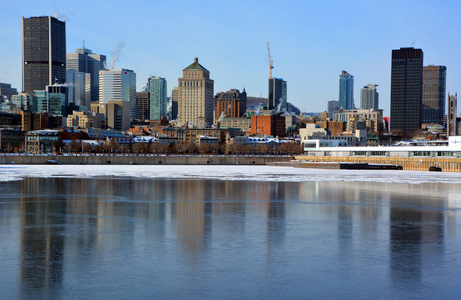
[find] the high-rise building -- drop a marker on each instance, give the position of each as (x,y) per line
(24,101)
(452,126)
(434,90)
(277,94)
(158,98)
(43,53)
(332,108)
(79,88)
(369,97)
(174,103)
(84,60)
(346,91)
(196,102)
(7,91)
(118,85)
(406,90)
(230,104)
(142,102)
(117,114)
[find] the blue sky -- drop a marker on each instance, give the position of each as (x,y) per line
(311,41)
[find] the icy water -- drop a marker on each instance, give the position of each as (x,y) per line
(254,233)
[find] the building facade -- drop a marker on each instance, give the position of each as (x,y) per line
(434,90)
(332,108)
(406,90)
(43,53)
(277,94)
(7,91)
(195,101)
(84,60)
(158,98)
(118,85)
(143,105)
(231,104)
(369,97)
(452,125)
(346,91)
(79,88)
(174,103)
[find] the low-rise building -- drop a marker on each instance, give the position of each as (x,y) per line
(11,139)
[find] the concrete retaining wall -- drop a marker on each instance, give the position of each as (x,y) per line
(413,164)
(145,160)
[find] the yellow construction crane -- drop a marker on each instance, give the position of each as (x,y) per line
(271,62)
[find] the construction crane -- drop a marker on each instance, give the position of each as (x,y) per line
(271,62)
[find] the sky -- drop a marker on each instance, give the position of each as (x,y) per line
(311,42)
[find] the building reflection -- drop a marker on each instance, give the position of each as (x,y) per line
(41,237)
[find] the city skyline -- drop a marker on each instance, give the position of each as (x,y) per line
(309,43)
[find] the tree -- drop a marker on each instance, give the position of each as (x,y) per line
(59,145)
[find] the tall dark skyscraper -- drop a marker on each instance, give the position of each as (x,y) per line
(277,94)
(434,90)
(43,53)
(406,89)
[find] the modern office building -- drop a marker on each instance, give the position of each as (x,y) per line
(452,126)
(84,60)
(143,107)
(174,103)
(231,104)
(118,85)
(277,94)
(24,101)
(7,91)
(434,91)
(158,98)
(79,88)
(195,101)
(346,91)
(117,114)
(406,90)
(43,53)
(332,108)
(369,97)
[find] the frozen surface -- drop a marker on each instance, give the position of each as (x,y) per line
(228,172)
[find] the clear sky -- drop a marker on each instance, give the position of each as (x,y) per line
(311,41)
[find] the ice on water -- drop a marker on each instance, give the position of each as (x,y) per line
(224,172)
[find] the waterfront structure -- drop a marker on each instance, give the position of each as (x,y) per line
(143,105)
(332,108)
(43,53)
(158,98)
(118,85)
(346,91)
(79,88)
(277,94)
(231,104)
(7,91)
(406,90)
(452,126)
(84,60)
(369,97)
(174,103)
(433,99)
(195,101)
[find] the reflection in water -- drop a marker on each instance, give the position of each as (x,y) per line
(196,235)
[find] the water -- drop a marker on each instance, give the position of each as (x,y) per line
(133,237)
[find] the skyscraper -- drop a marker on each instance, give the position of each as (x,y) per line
(79,88)
(118,85)
(158,97)
(84,60)
(434,89)
(406,89)
(43,53)
(277,94)
(452,126)
(346,91)
(174,103)
(332,108)
(369,97)
(143,106)
(195,101)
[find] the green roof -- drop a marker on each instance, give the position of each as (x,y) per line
(196,66)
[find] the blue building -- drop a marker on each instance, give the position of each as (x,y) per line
(346,91)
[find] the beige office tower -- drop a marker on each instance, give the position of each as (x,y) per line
(195,101)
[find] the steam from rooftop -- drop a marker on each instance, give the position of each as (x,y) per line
(60,16)
(116,53)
